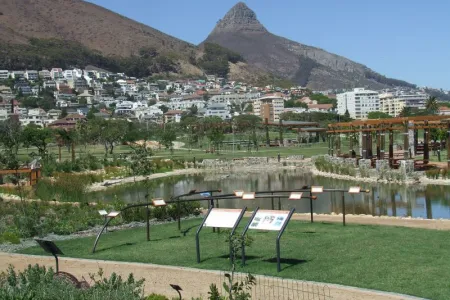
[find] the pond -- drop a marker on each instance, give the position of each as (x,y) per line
(384,199)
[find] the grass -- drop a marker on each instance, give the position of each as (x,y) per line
(395,259)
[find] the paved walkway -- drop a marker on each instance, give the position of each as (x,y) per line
(194,282)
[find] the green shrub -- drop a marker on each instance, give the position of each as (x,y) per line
(156,297)
(39,283)
(9,237)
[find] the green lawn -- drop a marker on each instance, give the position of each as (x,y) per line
(395,259)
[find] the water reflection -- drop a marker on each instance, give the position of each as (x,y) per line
(383,199)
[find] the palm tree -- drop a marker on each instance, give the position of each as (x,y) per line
(406,112)
(432,105)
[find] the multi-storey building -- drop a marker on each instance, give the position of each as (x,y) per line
(359,103)
(4,74)
(390,104)
(218,110)
(32,75)
(269,107)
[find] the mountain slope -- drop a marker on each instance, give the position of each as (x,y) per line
(241,32)
(76,20)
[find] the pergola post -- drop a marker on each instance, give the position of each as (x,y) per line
(406,141)
(416,140)
(369,143)
(338,144)
(350,151)
(426,138)
(391,147)
(332,144)
(364,143)
(378,143)
(266,121)
(382,142)
(448,144)
(329,143)
(281,132)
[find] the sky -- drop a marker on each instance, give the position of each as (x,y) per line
(403,39)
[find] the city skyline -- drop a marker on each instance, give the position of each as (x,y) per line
(397,40)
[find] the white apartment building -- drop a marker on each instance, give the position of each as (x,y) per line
(45,74)
(35,116)
(3,114)
(56,73)
(359,103)
(17,74)
(32,75)
(413,100)
(269,107)
(4,74)
(181,104)
(393,103)
(68,74)
(218,110)
(128,107)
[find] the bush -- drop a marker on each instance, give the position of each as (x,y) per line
(39,283)
(156,297)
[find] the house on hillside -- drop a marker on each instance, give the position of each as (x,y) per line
(69,122)
(173,116)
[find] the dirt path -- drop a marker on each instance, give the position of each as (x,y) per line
(436,224)
(195,282)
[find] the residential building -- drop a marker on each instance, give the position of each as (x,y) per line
(269,107)
(69,74)
(85,97)
(69,122)
(32,75)
(172,116)
(53,114)
(359,103)
(413,100)
(219,110)
(35,116)
(80,84)
(56,73)
(4,74)
(49,84)
(45,74)
(128,107)
(444,110)
(3,114)
(17,74)
(391,105)
(320,107)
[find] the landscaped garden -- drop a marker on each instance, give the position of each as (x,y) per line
(395,259)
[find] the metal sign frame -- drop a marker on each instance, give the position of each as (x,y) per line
(233,230)
(280,233)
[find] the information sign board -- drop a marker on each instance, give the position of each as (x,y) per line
(158,202)
(223,218)
(113,214)
(269,220)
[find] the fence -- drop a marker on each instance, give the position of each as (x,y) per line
(274,288)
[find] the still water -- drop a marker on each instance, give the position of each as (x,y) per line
(384,199)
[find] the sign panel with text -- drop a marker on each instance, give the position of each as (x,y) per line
(269,220)
(223,218)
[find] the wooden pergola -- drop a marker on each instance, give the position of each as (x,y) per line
(378,129)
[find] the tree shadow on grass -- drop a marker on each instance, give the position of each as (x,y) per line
(291,262)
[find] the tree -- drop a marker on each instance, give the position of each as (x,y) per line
(38,137)
(378,115)
(215,131)
(10,140)
(63,113)
(432,105)
(164,108)
(249,108)
(167,136)
(347,114)
(66,138)
(406,112)
(248,124)
(108,132)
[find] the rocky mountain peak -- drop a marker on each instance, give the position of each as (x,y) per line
(239,18)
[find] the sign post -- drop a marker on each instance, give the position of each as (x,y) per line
(274,220)
(51,248)
(220,218)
